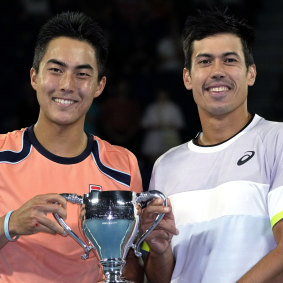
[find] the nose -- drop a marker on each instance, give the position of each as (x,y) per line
(217,71)
(67,82)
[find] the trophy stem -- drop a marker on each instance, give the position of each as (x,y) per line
(113,271)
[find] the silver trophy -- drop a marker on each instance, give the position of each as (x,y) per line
(111,226)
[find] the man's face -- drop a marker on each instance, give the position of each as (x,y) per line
(219,78)
(67,81)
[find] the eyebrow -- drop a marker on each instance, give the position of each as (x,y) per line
(207,55)
(62,64)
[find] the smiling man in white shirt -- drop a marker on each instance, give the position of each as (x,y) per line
(225,187)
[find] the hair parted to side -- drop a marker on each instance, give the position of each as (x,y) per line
(75,25)
(210,22)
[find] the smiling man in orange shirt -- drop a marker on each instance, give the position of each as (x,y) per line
(56,155)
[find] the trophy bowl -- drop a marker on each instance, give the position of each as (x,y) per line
(111,226)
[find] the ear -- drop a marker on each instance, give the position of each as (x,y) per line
(251,75)
(187,79)
(100,87)
(33,78)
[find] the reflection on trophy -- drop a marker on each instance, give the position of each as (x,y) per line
(111,226)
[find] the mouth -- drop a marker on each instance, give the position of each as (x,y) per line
(62,101)
(218,89)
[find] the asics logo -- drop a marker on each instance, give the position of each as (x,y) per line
(248,155)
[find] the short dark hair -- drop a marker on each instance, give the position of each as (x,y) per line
(76,26)
(211,22)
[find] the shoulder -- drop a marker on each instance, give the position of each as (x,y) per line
(120,160)
(173,155)
(107,148)
(268,130)
(12,140)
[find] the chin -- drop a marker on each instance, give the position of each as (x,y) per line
(64,122)
(220,111)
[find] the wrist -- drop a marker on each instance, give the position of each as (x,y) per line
(157,252)
(10,236)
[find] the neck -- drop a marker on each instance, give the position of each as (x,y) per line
(64,141)
(219,129)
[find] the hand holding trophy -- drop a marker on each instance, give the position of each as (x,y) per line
(109,213)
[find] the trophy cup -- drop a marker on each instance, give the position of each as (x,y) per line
(111,226)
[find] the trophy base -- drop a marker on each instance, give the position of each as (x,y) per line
(117,279)
(112,268)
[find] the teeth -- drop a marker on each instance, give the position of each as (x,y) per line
(63,101)
(221,88)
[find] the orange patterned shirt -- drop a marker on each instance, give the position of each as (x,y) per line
(26,170)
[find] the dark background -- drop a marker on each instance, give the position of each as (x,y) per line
(145,56)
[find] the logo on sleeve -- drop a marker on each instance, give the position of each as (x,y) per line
(248,155)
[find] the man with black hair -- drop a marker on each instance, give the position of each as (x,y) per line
(56,155)
(224,187)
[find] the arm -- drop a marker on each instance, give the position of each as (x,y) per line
(159,267)
(269,268)
(32,218)
(160,262)
(133,270)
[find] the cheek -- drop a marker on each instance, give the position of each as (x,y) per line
(85,86)
(197,85)
(241,81)
(87,89)
(48,84)
(199,79)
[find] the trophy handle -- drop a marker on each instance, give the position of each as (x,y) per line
(73,198)
(144,199)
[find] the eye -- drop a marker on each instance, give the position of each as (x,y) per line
(82,74)
(55,70)
(230,60)
(205,61)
